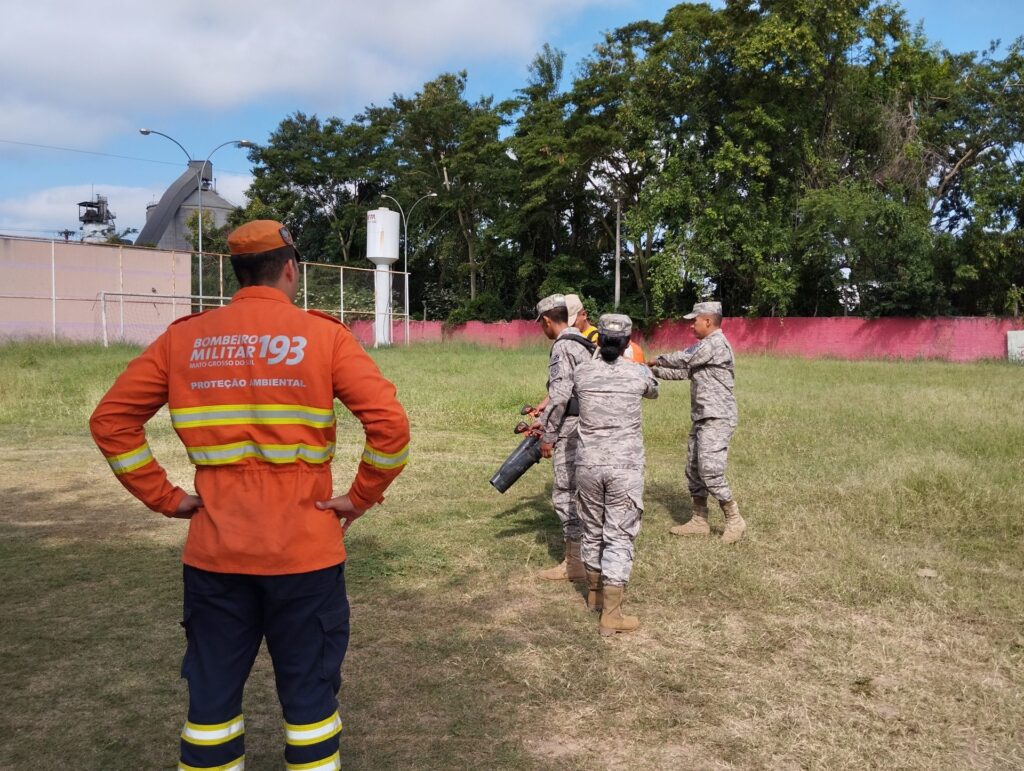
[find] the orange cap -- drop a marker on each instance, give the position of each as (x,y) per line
(259,236)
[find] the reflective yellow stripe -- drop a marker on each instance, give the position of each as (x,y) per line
(221,454)
(327,764)
(252,414)
(312,733)
(129,461)
(207,735)
(385,460)
(238,764)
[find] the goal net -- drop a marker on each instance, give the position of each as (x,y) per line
(345,293)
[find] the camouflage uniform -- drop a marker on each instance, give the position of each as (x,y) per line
(709,367)
(560,429)
(610,463)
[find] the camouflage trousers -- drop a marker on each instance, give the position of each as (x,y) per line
(563,490)
(611,504)
(707,455)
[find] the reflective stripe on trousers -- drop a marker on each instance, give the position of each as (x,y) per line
(304,618)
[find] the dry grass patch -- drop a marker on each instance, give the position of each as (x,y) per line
(817,642)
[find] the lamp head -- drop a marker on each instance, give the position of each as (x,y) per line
(145,132)
(245,143)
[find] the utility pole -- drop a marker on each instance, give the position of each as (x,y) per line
(618,247)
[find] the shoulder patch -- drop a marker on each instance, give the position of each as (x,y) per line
(328,316)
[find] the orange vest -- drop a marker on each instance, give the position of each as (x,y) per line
(251,389)
(634,352)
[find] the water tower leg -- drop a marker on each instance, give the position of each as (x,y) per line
(382,306)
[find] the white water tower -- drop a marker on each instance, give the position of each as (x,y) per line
(382,250)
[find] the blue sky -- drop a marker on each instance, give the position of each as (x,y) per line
(87,77)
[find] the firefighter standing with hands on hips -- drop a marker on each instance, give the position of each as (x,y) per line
(251,389)
(708,365)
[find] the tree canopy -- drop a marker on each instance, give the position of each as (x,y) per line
(788,157)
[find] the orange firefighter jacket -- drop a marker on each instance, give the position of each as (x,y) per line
(251,388)
(634,352)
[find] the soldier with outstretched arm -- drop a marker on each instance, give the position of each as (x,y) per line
(708,365)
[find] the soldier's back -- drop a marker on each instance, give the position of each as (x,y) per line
(610,396)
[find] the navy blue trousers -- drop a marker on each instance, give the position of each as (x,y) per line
(305,620)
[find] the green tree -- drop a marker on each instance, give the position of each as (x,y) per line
(785,156)
(321,177)
(451,146)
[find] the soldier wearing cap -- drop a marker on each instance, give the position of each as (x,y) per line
(610,469)
(578,317)
(708,365)
(578,320)
(557,420)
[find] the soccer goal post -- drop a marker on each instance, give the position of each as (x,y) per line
(345,293)
(138,317)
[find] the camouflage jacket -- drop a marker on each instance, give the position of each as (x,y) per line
(610,395)
(566,357)
(708,366)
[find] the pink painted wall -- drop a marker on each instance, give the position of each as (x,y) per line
(958,339)
(504,334)
(962,338)
(419,331)
(51,287)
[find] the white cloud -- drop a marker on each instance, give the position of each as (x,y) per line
(54,122)
(232,187)
(82,71)
(81,75)
(44,212)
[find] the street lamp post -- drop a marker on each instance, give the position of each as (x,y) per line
(199,187)
(405,249)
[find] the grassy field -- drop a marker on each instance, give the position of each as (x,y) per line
(872,617)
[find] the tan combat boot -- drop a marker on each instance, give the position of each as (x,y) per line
(698,524)
(595,600)
(612,621)
(569,569)
(574,567)
(734,524)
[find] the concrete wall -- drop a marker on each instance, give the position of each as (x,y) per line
(419,332)
(950,339)
(51,289)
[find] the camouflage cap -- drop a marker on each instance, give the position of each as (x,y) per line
(550,302)
(614,325)
(701,309)
(574,306)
